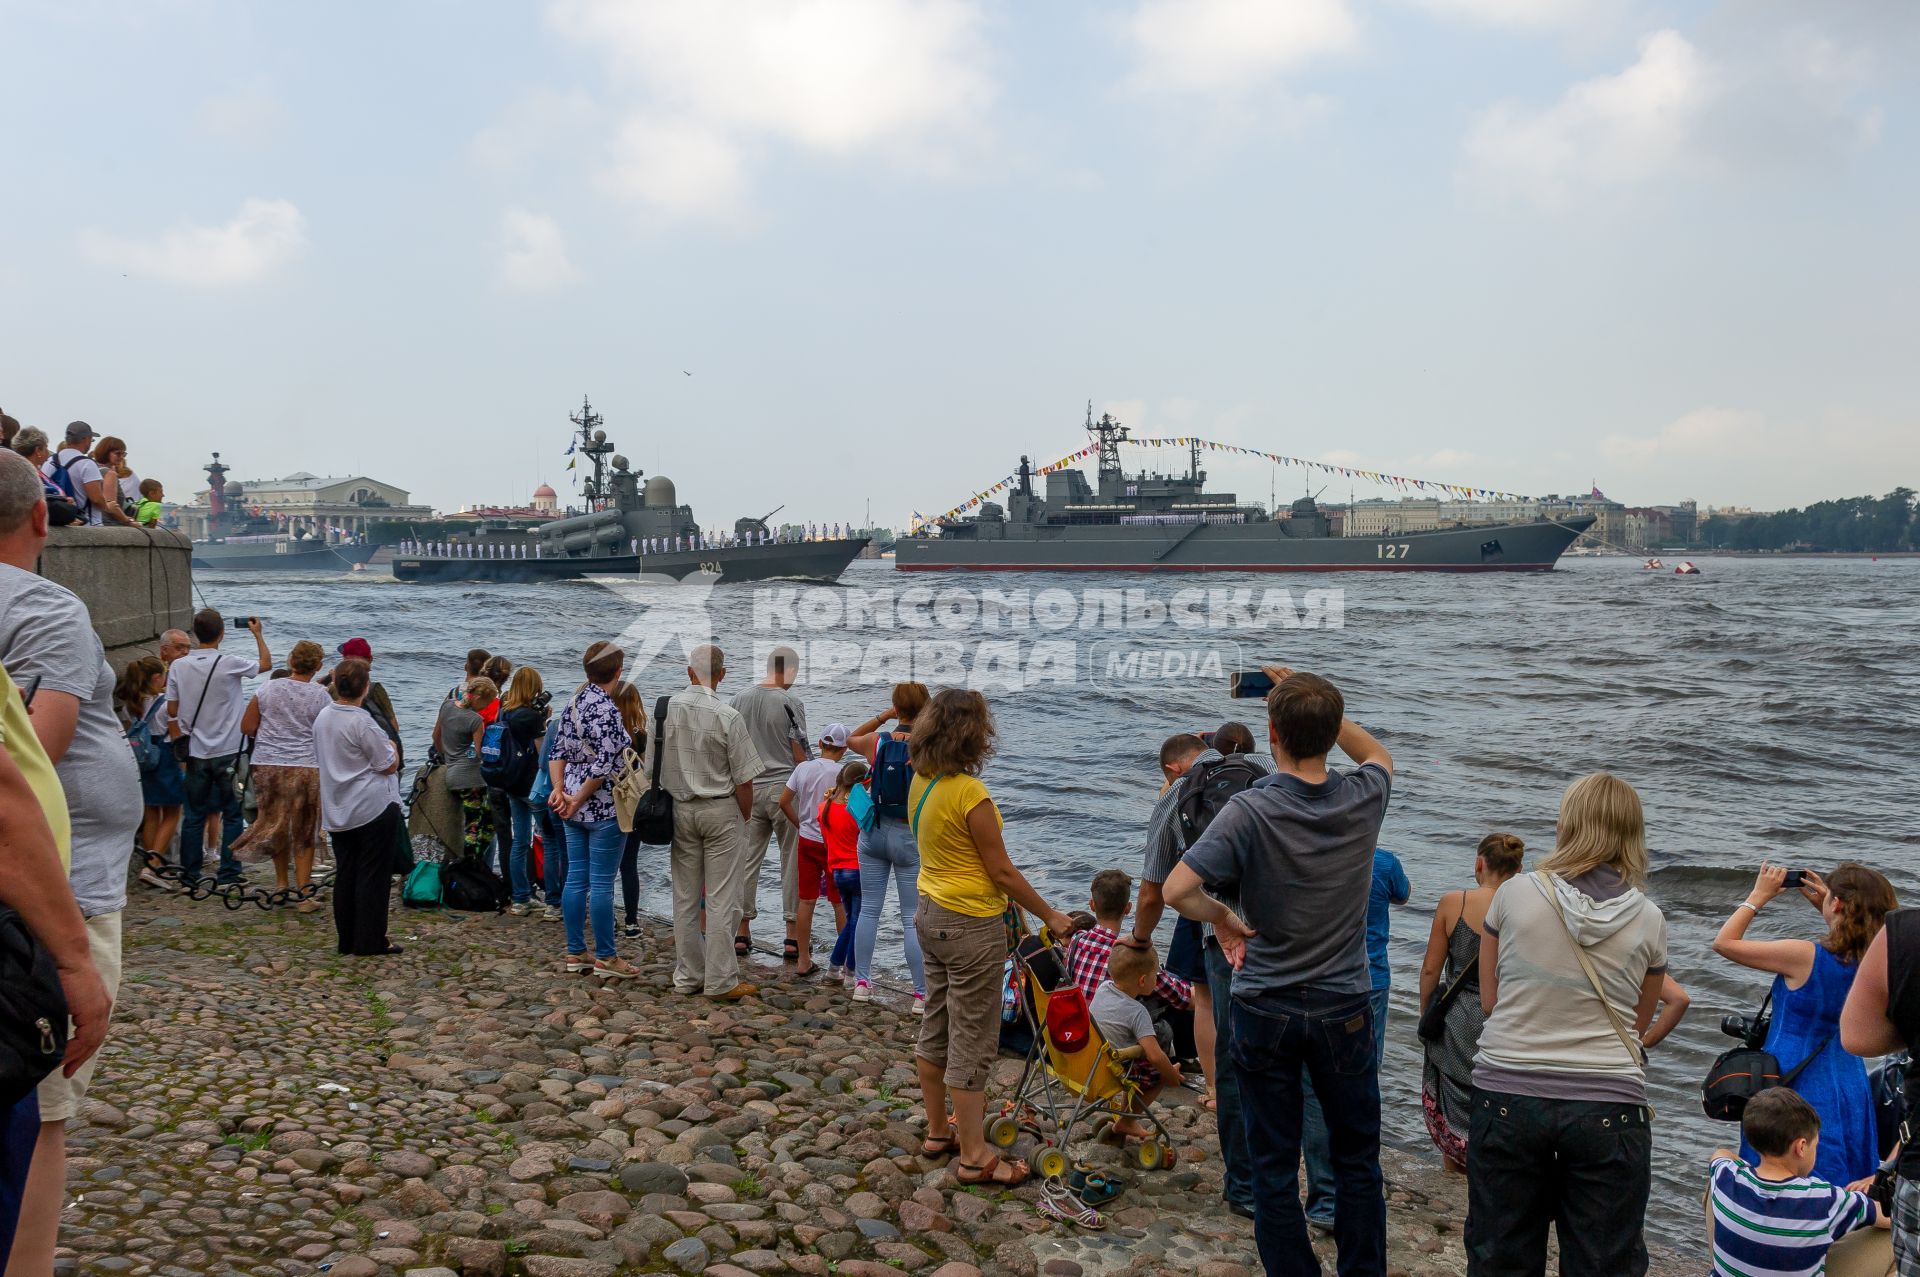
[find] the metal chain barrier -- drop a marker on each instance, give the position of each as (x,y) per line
(232,894)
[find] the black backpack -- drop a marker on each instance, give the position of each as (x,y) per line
(507,762)
(653,814)
(1743,1072)
(468,886)
(1207,788)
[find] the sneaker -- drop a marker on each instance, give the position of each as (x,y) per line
(577,963)
(862,991)
(631,930)
(1322,1226)
(153,879)
(615,968)
(520,909)
(552,914)
(919,1004)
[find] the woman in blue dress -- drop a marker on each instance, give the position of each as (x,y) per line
(1810,985)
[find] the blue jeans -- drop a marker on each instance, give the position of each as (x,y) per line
(597,847)
(1281,1037)
(888,848)
(553,850)
(209,791)
(1226,1085)
(520,848)
(847,883)
(1313,1127)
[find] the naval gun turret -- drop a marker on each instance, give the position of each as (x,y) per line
(751,530)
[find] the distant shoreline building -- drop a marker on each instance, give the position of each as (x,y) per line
(311,502)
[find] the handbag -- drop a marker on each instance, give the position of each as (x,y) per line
(33,1010)
(243,782)
(1433,1020)
(629,787)
(148,753)
(653,811)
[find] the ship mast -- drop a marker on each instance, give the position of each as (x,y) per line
(1107,434)
(593,443)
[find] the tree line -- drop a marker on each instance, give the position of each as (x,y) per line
(1871,525)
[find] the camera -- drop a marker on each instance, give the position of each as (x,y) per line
(239,622)
(1749,1029)
(541,699)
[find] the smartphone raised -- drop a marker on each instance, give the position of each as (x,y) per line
(1793,879)
(1249,684)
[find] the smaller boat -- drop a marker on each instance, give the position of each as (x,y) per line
(1653,565)
(1686,569)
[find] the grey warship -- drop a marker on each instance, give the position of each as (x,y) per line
(1162,523)
(240,541)
(631,528)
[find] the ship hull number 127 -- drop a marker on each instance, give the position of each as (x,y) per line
(1391,551)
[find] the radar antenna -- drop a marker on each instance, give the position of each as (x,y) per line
(1108,435)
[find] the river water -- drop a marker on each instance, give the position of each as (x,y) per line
(1764,709)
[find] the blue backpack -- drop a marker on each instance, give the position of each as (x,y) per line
(148,753)
(892,777)
(61,479)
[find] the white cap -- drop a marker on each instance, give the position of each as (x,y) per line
(835,735)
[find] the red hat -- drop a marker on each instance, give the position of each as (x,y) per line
(357,647)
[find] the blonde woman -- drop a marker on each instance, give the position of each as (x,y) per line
(525,709)
(1560,1129)
(286,776)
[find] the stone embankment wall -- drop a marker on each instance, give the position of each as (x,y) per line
(136,583)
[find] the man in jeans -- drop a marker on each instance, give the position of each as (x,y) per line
(709,767)
(1299,844)
(777,722)
(205,702)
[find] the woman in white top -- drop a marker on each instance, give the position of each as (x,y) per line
(1572,960)
(360,807)
(286,777)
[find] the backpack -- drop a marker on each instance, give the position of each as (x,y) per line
(469,886)
(1743,1072)
(61,479)
(892,777)
(61,510)
(422,889)
(506,763)
(1207,788)
(148,753)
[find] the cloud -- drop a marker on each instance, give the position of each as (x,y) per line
(533,123)
(706,88)
(260,240)
(248,117)
(1763,99)
(1520,13)
(533,251)
(1702,434)
(1771,462)
(1224,47)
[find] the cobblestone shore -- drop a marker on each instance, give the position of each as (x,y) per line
(266,1107)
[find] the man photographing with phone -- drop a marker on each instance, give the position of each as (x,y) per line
(1299,846)
(205,702)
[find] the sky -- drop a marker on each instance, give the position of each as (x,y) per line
(849,254)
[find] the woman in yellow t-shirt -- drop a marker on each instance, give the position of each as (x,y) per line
(18,739)
(966,879)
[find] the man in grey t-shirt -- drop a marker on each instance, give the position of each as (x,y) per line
(777,722)
(1299,847)
(47,643)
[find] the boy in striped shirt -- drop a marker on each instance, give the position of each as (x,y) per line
(1775,1219)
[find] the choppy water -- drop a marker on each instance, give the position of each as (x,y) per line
(1767,708)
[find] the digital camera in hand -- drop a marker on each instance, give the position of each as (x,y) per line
(1749,1029)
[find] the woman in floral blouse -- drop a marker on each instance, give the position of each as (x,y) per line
(588,744)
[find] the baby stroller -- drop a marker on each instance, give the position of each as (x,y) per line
(1073,1075)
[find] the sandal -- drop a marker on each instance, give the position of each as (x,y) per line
(1091,1186)
(806,973)
(939,1146)
(1016,1173)
(740,946)
(790,950)
(1059,1202)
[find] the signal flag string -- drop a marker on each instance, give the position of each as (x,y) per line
(1399,482)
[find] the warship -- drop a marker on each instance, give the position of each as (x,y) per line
(629,528)
(240,541)
(1156,523)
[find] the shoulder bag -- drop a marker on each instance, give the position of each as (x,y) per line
(33,1010)
(1433,1020)
(652,816)
(1739,1074)
(1636,1052)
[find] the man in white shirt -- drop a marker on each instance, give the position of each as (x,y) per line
(78,475)
(206,698)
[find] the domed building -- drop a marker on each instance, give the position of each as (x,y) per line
(545,500)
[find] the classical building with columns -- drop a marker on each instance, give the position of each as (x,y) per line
(301,501)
